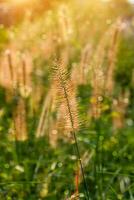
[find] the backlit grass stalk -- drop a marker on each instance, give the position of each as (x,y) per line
(19,113)
(112,54)
(10,64)
(24,72)
(62,79)
(44,115)
(102,67)
(80,71)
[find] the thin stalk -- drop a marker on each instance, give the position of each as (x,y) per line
(24,72)
(98,162)
(37,167)
(74,135)
(10,65)
(101,168)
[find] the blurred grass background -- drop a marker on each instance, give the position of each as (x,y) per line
(92,45)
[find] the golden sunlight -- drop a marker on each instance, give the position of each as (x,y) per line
(20,1)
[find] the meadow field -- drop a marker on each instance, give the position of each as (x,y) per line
(66,100)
